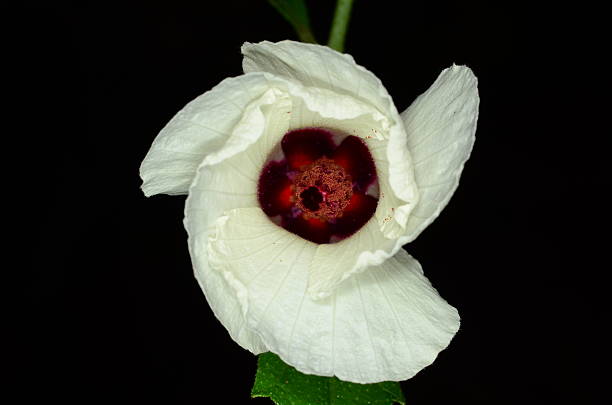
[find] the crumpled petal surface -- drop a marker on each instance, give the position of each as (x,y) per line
(360,309)
(203,126)
(383,324)
(320,67)
(224,181)
(441,127)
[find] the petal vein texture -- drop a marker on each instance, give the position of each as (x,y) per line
(441,128)
(358,308)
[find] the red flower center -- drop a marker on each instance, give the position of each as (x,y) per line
(324,189)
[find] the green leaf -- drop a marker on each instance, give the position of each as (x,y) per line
(287,386)
(296,12)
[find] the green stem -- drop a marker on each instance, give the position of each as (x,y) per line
(340,24)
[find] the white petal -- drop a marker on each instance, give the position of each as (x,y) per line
(378,240)
(374,243)
(384,324)
(316,66)
(321,67)
(260,261)
(391,318)
(200,128)
(227,179)
(336,262)
(222,298)
(441,127)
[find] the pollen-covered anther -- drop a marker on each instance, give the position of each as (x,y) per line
(323,190)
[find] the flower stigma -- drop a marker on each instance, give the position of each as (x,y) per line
(323,189)
(320,184)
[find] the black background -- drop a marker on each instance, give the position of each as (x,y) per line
(110,311)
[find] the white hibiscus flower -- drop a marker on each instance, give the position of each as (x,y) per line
(303,183)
